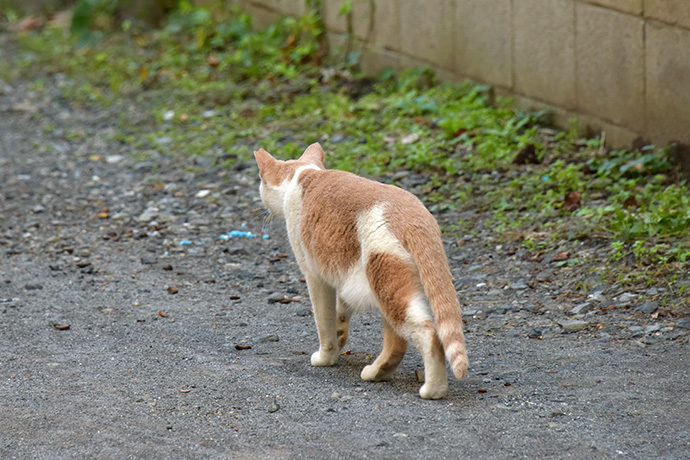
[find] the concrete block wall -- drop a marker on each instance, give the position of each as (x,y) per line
(619,66)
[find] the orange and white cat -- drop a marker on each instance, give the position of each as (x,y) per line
(362,244)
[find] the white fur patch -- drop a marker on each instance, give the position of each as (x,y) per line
(419,311)
(355,290)
(374,238)
(292,208)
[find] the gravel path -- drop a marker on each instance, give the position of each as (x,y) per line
(134,324)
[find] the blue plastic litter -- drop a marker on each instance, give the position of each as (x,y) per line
(242,234)
(185,242)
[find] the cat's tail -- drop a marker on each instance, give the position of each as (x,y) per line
(430,258)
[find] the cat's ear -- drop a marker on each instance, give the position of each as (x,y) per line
(263,158)
(314,155)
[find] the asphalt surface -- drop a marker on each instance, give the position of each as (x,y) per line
(130,328)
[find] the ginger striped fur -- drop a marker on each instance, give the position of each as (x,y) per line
(362,244)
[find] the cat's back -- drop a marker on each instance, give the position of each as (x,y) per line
(341,190)
(339,207)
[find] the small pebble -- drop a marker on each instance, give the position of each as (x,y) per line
(149,259)
(273,407)
(275,297)
(267,338)
(626,297)
(519,285)
(648,307)
(582,308)
(535,334)
(574,325)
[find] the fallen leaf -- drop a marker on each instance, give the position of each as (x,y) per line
(572,201)
(184,390)
(162,314)
(631,202)
(103,213)
(242,346)
(561,256)
(61,327)
(481,390)
(346,352)
(536,256)
(173,290)
(212,61)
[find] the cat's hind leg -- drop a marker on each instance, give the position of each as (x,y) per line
(425,338)
(394,348)
(323,301)
(343,313)
(399,291)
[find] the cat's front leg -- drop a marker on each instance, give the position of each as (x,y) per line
(343,312)
(323,302)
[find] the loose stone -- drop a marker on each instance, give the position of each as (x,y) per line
(275,297)
(267,338)
(575,325)
(648,307)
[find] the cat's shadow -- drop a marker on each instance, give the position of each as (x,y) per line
(403,384)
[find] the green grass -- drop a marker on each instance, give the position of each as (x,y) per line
(212,86)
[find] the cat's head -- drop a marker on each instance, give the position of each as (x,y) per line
(276,175)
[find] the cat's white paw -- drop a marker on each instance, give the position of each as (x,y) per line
(434,391)
(369,373)
(372,373)
(321,358)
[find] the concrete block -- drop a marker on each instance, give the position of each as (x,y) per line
(626,6)
(544,48)
(610,65)
(384,32)
(483,41)
(375,61)
(426,31)
(386,27)
(286,7)
(668,83)
(262,18)
(670,11)
(331,17)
